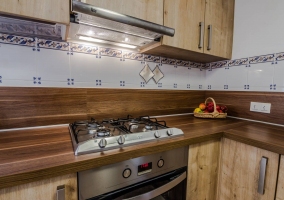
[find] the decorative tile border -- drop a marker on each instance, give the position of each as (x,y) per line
(49,44)
(279,56)
(220,64)
(110,52)
(168,61)
(238,62)
(195,65)
(183,63)
(133,56)
(151,58)
(261,59)
(80,48)
(18,40)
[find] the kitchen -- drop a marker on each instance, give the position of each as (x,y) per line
(35,91)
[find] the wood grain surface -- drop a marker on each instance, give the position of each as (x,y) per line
(239,172)
(26,107)
(178,53)
(203,160)
(239,104)
(43,189)
(280,184)
(40,158)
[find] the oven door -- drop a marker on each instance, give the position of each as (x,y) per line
(169,186)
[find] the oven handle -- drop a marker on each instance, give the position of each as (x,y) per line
(160,190)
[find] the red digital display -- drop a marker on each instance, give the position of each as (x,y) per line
(144,168)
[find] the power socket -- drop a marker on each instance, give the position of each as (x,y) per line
(260,107)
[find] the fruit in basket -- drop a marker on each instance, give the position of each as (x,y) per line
(197,110)
(224,109)
(202,106)
(210,108)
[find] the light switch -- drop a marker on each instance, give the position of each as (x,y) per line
(265,107)
(255,106)
(260,107)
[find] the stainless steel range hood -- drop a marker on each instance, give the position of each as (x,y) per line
(96,24)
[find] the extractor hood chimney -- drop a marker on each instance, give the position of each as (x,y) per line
(100,25)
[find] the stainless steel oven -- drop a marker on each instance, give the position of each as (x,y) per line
(160,176)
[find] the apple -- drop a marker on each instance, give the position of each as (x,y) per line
(218,107)
(210,108)
(202,106)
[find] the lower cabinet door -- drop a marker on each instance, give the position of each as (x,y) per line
(203,160)
(43,190)
(246,172)
(280,184)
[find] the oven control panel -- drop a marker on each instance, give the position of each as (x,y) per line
(115,176)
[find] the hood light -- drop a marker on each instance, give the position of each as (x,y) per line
(90,39)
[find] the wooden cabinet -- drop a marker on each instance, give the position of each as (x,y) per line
(56,11)
(191,20)
(203,161)
(280,184)
(42,190)
(240,169)
(150,10)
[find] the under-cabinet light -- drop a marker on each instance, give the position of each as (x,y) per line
(90,39)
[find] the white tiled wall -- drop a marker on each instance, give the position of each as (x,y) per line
(43,63)
(35,62)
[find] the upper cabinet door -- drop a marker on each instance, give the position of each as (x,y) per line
(184,16)
(56,11)
(150,10)
(219,23)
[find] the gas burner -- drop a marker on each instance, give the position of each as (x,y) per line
(81,123)
(93,124)
(107,120)
(148,127)
(103,132)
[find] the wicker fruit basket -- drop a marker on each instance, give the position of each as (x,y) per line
(214,114)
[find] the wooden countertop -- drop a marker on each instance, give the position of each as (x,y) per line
(39,153)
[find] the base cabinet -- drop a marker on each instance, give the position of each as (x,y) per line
(240,171)
(203,161)
(280,183)
(42,190)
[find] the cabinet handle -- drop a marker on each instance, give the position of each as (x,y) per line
(262,171)
(209,37)
(60,193)
(201,34)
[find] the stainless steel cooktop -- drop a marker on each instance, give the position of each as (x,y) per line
(95,136)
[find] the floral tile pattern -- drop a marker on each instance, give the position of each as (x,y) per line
(49,44)
(110,52)
(261,59)
(84,48)
(168,61)
(150,58)
(279,56)
(11,39)
(133,56)
(237,62)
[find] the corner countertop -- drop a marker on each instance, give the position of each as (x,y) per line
(39,153)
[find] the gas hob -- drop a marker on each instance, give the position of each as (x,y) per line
(96,136)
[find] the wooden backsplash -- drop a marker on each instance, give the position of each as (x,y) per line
(239,104)
(26,107)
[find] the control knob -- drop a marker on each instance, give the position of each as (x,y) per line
(126,173)
(157,134)
(121,140)
(169,132)
(160,163)
(103,143)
